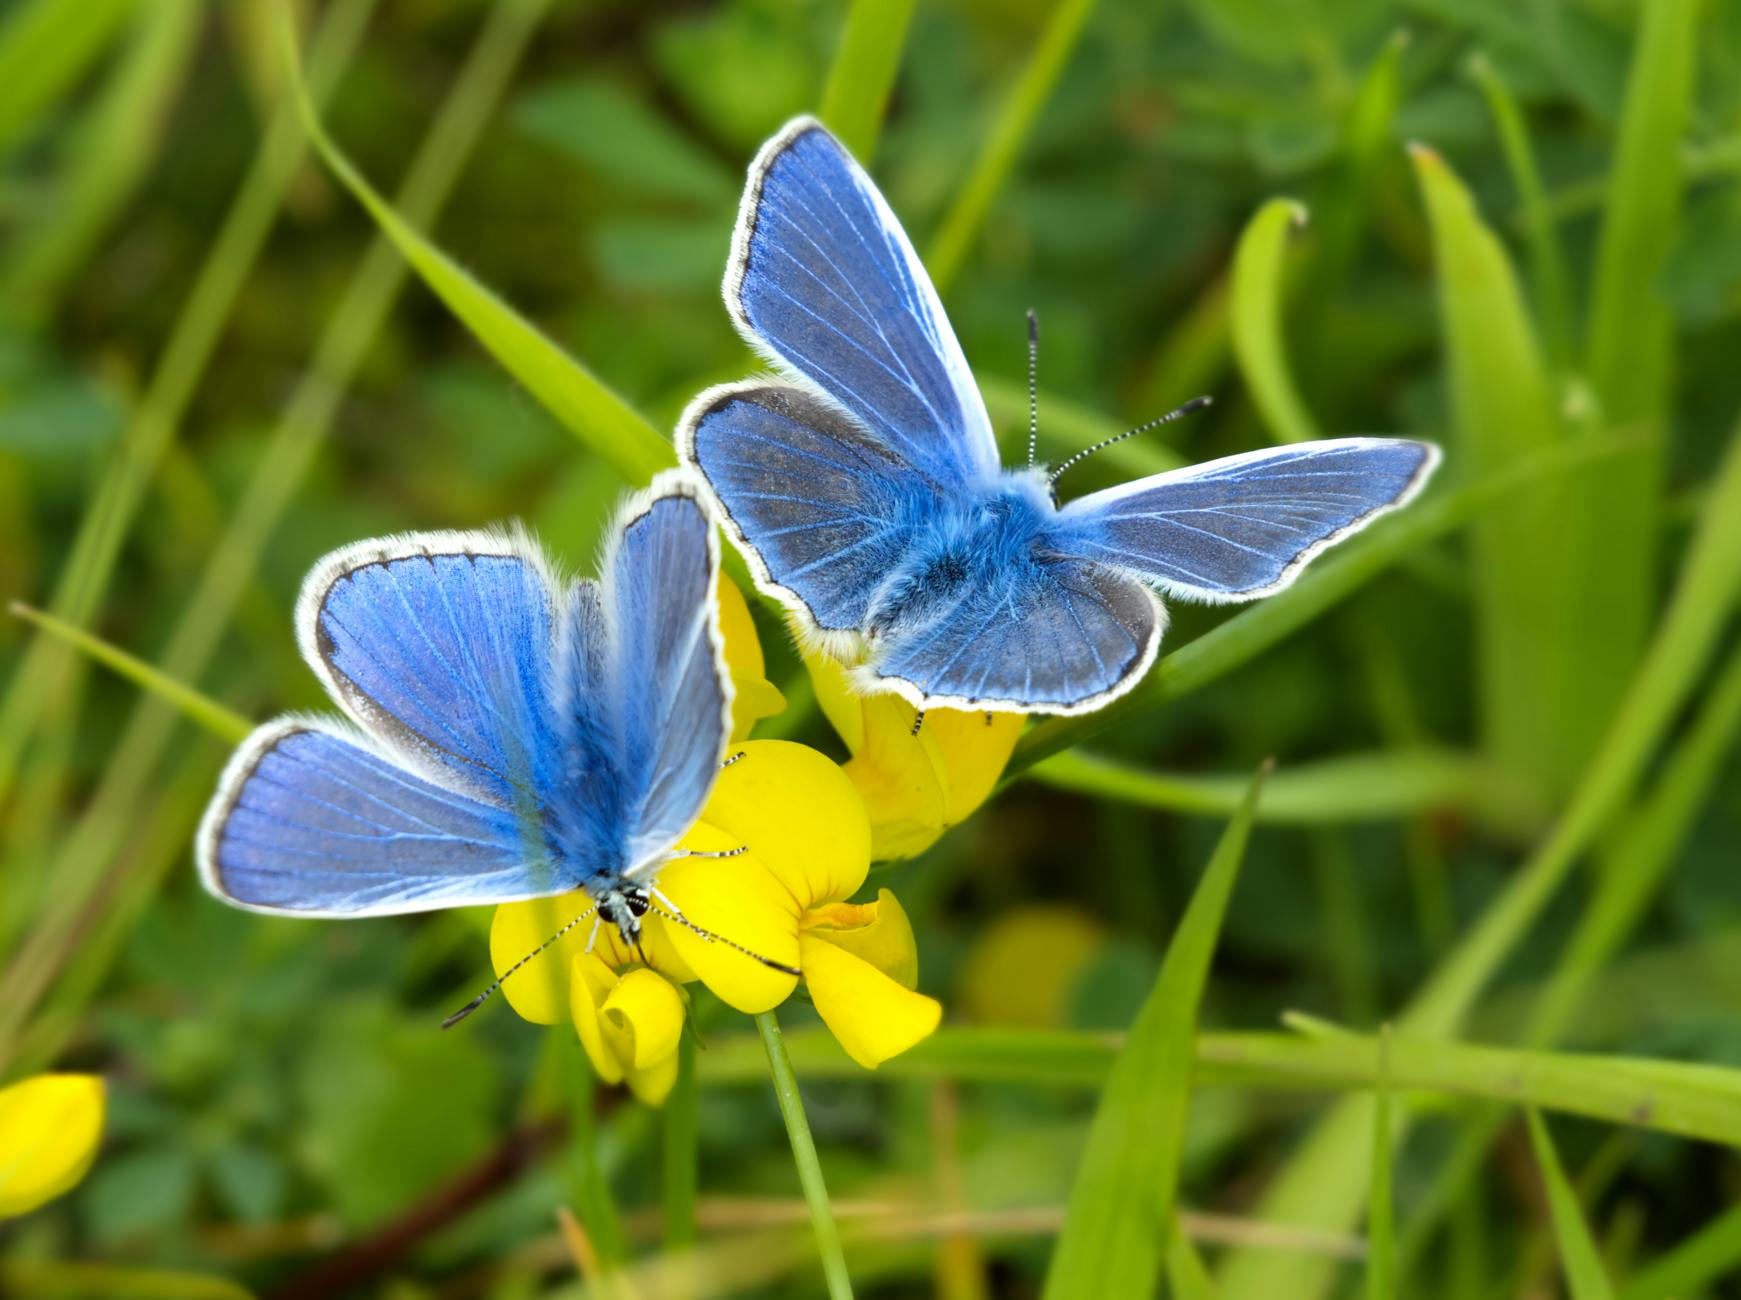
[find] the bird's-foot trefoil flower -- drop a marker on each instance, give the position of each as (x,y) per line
(50,1125)
(915,784)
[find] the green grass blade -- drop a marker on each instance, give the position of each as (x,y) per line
(1318,1187)
(1121,1206)
(1186,1275)
(1249,633)
(1259,301)
(804,1156)
(45,46)
(605,424)
(1709,1255)
(107,156)
(1352,787)
(41,680)
(960,227)
(1545,691)
(224,723)
(1553,295)
(1579,1260)
(1380,1226)
(863,72)
(1629,342)
(681,1156)
(1691,1101)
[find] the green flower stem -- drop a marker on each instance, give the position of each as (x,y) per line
(804,1156)
(681,1174)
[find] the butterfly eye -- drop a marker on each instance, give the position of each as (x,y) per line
(637,901)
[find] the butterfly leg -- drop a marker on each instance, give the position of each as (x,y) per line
(734,758)
(918,721)
(708,853)
(592,937)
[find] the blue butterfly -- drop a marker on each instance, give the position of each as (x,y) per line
(508,738)
(868,496)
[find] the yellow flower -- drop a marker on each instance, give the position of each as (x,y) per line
(755,696)
(807,845)
(1025,967)
(49,1128)
(914,787)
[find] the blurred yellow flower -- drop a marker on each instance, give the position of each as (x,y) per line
(49,1128)
(1025,966)
(914,787)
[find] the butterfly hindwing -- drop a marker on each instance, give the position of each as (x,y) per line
(1244,526)
(823,279)
(1061,637)
(821,508)
(312,821)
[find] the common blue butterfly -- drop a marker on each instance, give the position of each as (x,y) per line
(867,494)
(508,736)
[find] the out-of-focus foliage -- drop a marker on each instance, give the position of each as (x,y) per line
(1504,807)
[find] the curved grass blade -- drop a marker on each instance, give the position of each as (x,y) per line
(863,72)
(606,424)
(948,250)
(1353,787)
(1186,1275)
(1546,690)
(224,723)
(1259,297)
(1121,1207)
(1579,1260)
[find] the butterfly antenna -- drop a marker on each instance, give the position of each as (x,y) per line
(1195,404)
(1033,386)
(484,997)
(670,913)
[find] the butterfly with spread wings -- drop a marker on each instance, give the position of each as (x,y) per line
(865,489)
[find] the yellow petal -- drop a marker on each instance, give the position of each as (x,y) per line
(49,1128)
(755,697)
(650,1008)
(878,932)
(971,750)
(652,1085)
(745,904)
(798,813)
(839,702)
(873,1017)
(1024,968)
(590,983)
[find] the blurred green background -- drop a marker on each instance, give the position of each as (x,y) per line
(211,374)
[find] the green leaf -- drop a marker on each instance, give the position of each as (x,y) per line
(1352,787)
(1545,688)
(1710,1254)
(1259,297)
(1009,132)
(222,722)
(1186,1275)
(1579,1260)
(1121,1206)
(606,424)
(864,71)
